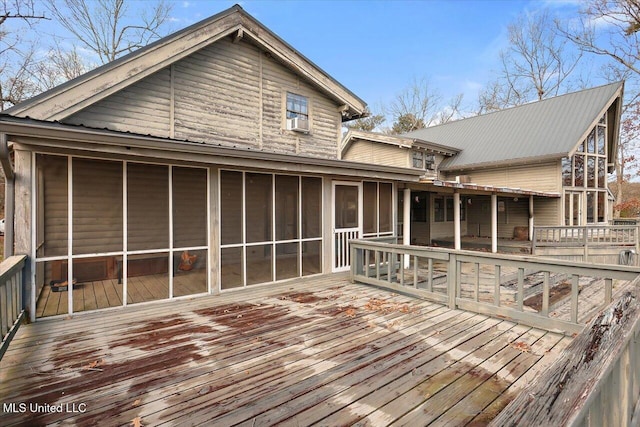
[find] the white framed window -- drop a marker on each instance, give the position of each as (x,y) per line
(297,106)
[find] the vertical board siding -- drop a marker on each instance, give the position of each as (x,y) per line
(141,108)
(227,93)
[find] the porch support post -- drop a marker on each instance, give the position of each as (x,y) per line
(456,220)
(530,217)
(23,230)
(406,222)
(494,223)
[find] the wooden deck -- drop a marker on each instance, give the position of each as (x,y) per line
(108,293)
(311,351)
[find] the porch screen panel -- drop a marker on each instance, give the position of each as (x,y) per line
(147,277)
(52,206)
(287,207)
(287,261)
(148,207)
(189,272)
(346,206)
(189,231)
(230,207)
(386,207)
(311,207)
(97,206)
(259,264)
(370,211)
(311,257)
(189,207)
(231,269)
(258,207)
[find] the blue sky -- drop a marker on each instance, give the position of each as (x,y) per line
(376,48)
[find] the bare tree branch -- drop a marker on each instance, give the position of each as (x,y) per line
(107,28)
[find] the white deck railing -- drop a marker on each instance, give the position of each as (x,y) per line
(11,306)
(496,285)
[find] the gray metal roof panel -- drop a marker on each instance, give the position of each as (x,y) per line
(543,129)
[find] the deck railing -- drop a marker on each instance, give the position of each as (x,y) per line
(596,380)
(11,306)
(601,244)
(551,294)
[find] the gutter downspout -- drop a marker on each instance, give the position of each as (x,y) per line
(9,198)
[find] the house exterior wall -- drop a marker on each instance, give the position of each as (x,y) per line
(227,93)
(538,177)
(377,153)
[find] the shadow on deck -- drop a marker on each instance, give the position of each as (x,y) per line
(296,353)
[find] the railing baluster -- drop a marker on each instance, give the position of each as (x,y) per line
(477,284)
(430,275)
(496,290)
(520,289)
(545,294)
(574,298)
(415,271)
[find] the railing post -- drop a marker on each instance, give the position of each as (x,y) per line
(452,280)
(586,244)
(533,241)
(355,261)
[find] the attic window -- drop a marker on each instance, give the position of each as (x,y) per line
(297,106)
(422,160)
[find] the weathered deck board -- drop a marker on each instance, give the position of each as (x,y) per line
(317,350)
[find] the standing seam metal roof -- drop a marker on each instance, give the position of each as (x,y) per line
(547,128)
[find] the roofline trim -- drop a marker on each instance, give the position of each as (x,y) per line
(67,136)
(137,65)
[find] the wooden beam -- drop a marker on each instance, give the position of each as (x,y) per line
(238,36)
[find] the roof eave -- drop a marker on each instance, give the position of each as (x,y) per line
(109,78)
(62,136)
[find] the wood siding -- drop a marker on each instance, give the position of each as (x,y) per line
(143,107)
(547,211)
(227,93)
(539,177)
(377,153)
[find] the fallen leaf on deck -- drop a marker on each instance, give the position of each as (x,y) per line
(136,422)
(136,402)
(522,346)
(94,364)
(350,312)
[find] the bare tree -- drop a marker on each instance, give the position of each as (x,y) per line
(609,28)
(536,65)
(17,54)
(416,107)
(108,28)
(451,111)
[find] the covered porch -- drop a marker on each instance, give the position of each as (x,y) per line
(470,216)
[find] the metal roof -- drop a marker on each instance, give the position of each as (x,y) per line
(550,128)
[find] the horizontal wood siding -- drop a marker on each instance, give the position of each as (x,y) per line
(148,207)
(227,93)
(217,96)
(325,122)
(376,153)
(189,207)
(52,209)
(539,177)
(143,107)
(97,206)
(546,211)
